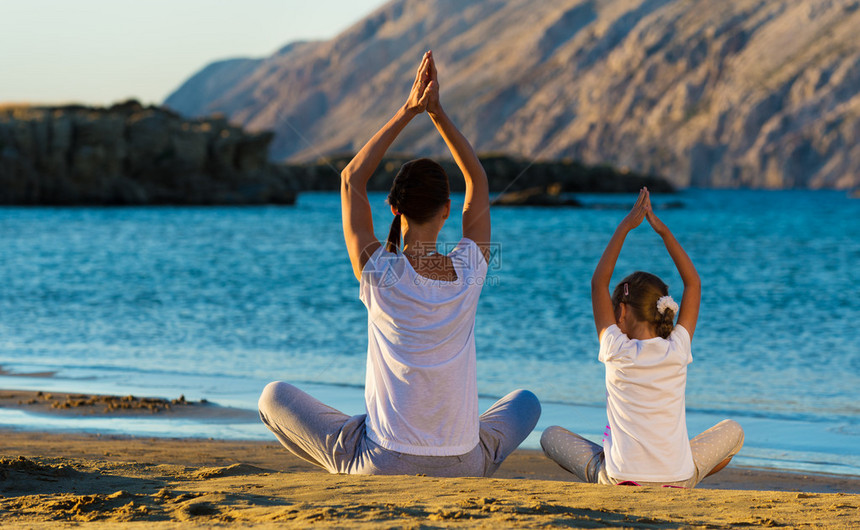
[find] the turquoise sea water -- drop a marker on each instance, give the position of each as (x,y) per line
(215,302)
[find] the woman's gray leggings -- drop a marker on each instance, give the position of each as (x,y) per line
(324,436)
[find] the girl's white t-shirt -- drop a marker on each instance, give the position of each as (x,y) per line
(645,403)
(421,382)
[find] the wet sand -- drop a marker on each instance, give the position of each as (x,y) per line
(76,404)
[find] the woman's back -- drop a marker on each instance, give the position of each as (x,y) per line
(421,343)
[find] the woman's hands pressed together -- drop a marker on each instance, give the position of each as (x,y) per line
(424,87)
(433,105)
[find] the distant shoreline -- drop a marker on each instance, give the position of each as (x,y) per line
(505,173)
(75,404)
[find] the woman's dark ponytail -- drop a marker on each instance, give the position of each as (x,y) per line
(419,190)
(393,243)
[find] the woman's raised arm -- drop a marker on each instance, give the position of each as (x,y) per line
(361,242)
(476,207)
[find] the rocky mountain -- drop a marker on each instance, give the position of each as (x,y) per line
(130,154)
(761,93)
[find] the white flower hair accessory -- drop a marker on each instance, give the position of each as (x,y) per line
(667,302)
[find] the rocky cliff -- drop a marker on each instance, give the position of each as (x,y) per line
(504,174)
(760,93)
(130,154)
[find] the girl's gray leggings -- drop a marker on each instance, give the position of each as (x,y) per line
(585,459)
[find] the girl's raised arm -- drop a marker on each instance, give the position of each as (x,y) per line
(601,299)
(688,313)
(476,207)
(361,242)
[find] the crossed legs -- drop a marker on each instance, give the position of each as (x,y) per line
(324,436)
(712,451)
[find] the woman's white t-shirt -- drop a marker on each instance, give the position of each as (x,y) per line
(645,386)
(421,383)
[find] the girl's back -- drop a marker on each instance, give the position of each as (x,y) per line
(645,406)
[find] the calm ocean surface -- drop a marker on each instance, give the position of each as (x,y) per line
(215,302)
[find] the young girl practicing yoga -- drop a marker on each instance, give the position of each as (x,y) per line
(420,388)
(646,359)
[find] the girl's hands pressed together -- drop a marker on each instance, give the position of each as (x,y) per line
(655,221)
(639,211)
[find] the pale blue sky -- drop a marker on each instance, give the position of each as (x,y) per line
(103,51)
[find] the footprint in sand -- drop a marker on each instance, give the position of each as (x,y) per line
(229,471)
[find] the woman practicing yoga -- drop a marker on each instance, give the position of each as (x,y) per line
(646,358)
(420,388)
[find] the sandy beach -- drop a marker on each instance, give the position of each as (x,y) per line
(63,479)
